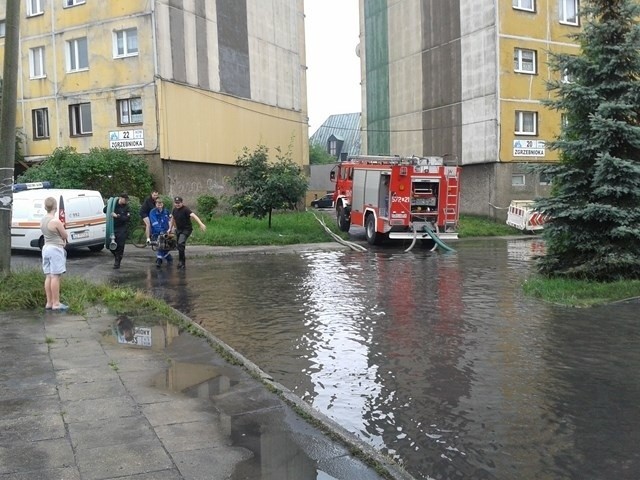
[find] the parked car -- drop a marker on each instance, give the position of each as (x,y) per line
(324,202)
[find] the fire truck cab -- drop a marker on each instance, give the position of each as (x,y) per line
(397,197)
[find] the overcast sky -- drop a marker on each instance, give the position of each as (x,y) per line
(333,77)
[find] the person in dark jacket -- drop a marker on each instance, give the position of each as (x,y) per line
(146,207)
(121,217)
(181,217)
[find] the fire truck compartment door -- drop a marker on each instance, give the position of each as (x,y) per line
(365,188)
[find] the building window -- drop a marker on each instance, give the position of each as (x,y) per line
(526,123)
(3,28)
(40,119)
(564,121)
(77,55)
(517,180)
(569,12)
(567,77)
(130,111)
(73,3)
(125,42)
(80,119)
(524,61)
(34,7)
(528,5)
(333,148)
(545,178)
(36,63)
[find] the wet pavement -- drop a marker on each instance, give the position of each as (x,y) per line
(437,360)
(99,397)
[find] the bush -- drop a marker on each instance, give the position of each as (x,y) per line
(206,204)
(110,172)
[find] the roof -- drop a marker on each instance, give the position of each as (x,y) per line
(345,127)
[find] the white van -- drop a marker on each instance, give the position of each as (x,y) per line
(79,210)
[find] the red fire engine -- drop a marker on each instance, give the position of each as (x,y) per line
(398,197)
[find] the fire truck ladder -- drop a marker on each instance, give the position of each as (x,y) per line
(451,205)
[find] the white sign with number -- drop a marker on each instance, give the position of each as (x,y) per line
(528,148)
(126,139)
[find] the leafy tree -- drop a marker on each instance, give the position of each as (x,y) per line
(111,172)
(594,207)
(319,156)
(262,187)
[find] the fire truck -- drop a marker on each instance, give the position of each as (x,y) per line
(398,197)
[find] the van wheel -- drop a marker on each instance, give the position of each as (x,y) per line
(96,248)
(41,243)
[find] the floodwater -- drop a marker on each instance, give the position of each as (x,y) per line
(437,360)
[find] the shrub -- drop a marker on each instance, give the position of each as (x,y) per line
(110,172)
(206,204)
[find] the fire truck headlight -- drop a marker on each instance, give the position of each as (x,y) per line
(401,187)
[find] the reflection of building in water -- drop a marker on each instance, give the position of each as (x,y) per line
(275,454)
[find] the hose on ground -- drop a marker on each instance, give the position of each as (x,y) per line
(351,245)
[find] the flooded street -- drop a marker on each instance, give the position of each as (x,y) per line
(437,360)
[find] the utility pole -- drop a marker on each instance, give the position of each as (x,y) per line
(8,130)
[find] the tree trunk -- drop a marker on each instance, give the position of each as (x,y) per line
(8,130)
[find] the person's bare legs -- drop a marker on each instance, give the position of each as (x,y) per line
(47,291)
(54,286)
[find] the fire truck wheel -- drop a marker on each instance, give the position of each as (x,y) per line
(344,222)
(373,237)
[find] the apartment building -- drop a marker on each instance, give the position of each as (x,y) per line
(186,83)
(464,79)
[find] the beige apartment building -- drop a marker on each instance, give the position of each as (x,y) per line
(186,83)
(464,79)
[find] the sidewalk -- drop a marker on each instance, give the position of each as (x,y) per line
(75,403)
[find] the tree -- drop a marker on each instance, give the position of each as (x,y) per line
(111,172)
(594,208)
(262,187)
(319,156)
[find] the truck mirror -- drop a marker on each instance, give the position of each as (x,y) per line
(332,176)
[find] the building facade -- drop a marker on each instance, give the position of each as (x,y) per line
(464,79)
(187,83)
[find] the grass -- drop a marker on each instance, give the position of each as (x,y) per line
(477,226)
(302,227)
(580,293)
(24,290)
(286,229)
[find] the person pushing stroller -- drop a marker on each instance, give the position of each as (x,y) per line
(159,221)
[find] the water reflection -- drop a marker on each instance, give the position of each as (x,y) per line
(275,454)
(437,360)
(142,331)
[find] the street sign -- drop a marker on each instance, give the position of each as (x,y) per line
(529,148)
(126,139)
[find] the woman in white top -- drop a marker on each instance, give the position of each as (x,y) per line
(54,256)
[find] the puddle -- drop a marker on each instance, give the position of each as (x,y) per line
(145,332)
